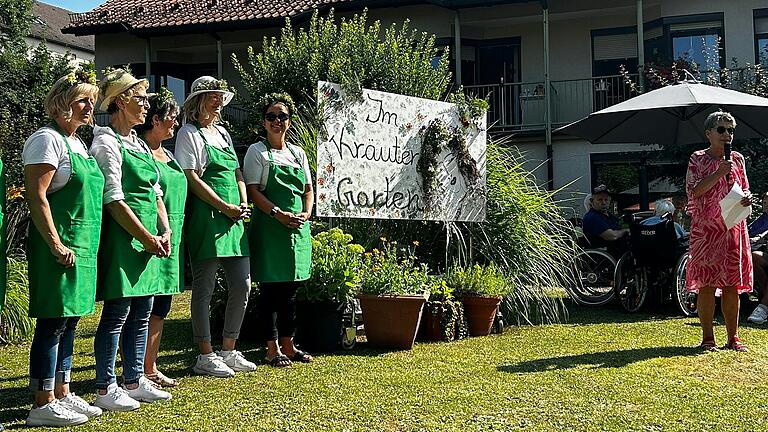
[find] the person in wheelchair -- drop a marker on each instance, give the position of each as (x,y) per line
(664,210)
(602,228)
(758,238)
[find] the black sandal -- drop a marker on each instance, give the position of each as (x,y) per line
(302,357)
(279,361)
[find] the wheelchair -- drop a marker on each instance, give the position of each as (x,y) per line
(594,270)
(654,268)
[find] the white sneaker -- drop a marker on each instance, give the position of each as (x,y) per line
(78,405)
(213,365)
(146,392)
(236,361)
(116,399)
(54,414)
(759,315)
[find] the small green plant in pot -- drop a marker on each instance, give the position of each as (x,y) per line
(481,289)
(392,295)
(336,274)
(443,317)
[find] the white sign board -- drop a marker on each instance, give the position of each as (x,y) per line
(368,157)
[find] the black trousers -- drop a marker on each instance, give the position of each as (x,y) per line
(277,309)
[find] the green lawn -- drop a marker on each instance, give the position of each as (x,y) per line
(603,370)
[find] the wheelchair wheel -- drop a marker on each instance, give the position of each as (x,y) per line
(631,284)
(594,269)
(685,300)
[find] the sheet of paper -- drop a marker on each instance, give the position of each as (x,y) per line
(731,209)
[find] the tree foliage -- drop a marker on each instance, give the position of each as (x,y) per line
(351,52)
(25,78)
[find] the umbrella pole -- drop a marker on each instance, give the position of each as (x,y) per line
(643,185)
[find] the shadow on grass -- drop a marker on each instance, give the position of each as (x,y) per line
(613,314)
(607,359)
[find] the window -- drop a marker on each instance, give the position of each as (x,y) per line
(698,43)
(697,39)
(761,36)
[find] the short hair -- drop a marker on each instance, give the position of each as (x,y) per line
(601,189)
(716,117)
(126,95)
(161,104)
(663,206)
(194,109)
(59,100)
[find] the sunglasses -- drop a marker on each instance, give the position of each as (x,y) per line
(270,117)
(721,130)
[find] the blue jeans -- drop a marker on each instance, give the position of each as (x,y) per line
(50,356)
(129,316)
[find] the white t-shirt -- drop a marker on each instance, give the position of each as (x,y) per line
(47,146)
(256,163)
(107,152)
(190,148)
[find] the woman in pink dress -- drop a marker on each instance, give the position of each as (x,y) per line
(720,257)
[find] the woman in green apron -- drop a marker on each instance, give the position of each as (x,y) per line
(158,127)
(280,185)
(135,237)
(214,229)
(63,189)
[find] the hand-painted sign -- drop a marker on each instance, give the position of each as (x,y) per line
(368,158)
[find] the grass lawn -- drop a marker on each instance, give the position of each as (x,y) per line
(603,370)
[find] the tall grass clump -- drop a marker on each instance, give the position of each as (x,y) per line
(15,324)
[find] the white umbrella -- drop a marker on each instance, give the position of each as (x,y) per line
(672,115)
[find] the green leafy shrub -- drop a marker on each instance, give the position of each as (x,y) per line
(349,51)
(15,324)
(442,304)
(336,267)
(25,78)
(393,271)
(477,280)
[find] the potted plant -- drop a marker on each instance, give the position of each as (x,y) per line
(393,292)
(481,289)
(336,266)
(443,316)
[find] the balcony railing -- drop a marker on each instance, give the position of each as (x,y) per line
(521,106)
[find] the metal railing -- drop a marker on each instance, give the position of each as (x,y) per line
(520,106)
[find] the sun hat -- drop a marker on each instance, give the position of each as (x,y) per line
(115,83)
(208,84)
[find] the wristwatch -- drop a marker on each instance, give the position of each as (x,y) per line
(274,211)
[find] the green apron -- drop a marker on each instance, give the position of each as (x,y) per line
(279,253)
(54,290)
(125,269)
(174,185)
(210,233)
(3,259)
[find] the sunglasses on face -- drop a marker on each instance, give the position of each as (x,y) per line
(270,117)
(722,129)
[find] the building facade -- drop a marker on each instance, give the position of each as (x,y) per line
(542,64)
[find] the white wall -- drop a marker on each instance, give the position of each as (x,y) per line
(61,50)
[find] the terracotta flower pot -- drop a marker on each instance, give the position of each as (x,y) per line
(480,312)
(391,321)
(430,328)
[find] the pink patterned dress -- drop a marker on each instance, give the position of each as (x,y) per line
(720,257)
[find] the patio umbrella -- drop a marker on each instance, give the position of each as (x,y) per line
(672,115)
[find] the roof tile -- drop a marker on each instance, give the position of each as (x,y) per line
(137,13)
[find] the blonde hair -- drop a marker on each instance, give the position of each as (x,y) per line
(59,100)
(126,95)
(195,108)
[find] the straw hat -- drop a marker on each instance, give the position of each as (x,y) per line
(115,83)
(207,84)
